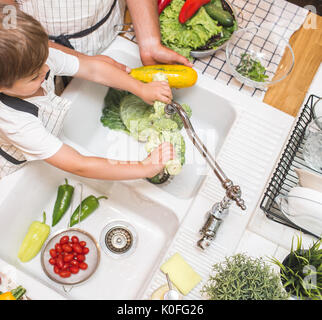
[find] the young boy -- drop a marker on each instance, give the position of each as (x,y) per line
(31,115)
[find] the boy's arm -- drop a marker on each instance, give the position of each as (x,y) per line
(70,160)
(111,76)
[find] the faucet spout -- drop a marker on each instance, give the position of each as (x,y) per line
(232,192)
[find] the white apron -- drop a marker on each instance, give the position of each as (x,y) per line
(67,17)
(50,109)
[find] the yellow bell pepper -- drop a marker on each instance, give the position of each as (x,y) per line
(37,234)
(14,294)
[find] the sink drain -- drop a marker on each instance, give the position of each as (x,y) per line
(162,178)
(118,239)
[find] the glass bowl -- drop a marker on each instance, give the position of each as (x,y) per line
(258,45)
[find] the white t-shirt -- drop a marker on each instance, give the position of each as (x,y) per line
(72,16)
(27,137)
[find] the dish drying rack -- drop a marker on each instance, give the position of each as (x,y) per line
(284,178)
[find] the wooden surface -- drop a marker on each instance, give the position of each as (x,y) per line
(288,95)
(306,43)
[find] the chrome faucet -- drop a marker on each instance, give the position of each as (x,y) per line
(219,210)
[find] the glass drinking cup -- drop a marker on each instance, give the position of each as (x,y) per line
(312,151)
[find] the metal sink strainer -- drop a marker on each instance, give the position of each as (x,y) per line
(92,258)
(118,239)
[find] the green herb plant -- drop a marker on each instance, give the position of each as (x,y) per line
(301,272)
(251,68)
(240,277)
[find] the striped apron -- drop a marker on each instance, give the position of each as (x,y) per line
(84,25)
(50,109)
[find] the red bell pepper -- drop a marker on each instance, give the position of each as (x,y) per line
(190,8)
(162,4)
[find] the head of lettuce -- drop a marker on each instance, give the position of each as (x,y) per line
(193,34)
(200,32)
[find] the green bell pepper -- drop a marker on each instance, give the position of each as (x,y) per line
(63,200)
(89,205)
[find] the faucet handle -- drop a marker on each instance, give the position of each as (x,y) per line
(234,193)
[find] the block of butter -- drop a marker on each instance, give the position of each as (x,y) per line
(181,273)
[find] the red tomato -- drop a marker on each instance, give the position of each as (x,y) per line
(67,248)
(52,261)
(64,239)
(53,253)
(83,243)
(74,269)
(68,257)
(56,269)
(65,266)
(74,263)
(77,248)
(85,250)
(83,266)
(75,239)
(58,248)
(59,261)
(80,258)
(64,274)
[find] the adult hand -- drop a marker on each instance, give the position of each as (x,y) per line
(159,54)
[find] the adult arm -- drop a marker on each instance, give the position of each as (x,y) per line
(145,19)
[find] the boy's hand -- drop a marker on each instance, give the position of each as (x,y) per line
(156,91)
(158,158)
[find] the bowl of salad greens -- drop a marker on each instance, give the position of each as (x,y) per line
(196,31)
(259,57)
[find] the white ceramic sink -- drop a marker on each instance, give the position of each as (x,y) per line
(122,278)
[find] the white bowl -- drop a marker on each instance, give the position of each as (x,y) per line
(303,206)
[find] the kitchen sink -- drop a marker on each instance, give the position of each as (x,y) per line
(117,276)
(212,117)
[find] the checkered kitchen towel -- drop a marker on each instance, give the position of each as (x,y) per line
(280,16)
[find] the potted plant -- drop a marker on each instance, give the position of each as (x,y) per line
(301,271)
(240,277)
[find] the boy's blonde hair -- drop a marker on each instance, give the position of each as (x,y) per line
(23,47)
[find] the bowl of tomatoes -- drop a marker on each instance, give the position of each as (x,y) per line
(70,257)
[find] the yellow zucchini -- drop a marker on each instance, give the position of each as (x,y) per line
(179,76)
